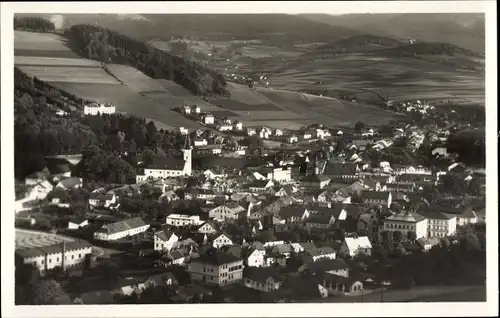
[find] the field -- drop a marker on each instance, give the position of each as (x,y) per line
(29,239)
(134,79)
(401,78)
(133,92)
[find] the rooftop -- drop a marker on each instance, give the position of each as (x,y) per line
(214,257)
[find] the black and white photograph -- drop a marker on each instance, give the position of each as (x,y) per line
(307,154)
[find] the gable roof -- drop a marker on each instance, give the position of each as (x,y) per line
(355,243)
(259,274)
(165,234)
(316,178)
(375,195)
(292,211)
(340,168)
(122,225)
(406,217)
(216,258)
(71,182)
(167,164)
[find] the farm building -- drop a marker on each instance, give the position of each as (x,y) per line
(238,125)
(121,229)
(292,139)
(251,132)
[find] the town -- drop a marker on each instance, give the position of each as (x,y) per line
(150,181)
(327,214)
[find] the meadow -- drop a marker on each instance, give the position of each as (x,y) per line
(134,79)
(69,74)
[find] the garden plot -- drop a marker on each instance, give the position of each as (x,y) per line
(70,74)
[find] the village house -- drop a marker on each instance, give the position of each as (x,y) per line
(306,135)
(183,220)
(377,197)
(282,175)
(255,256)
(77,223)
(293,214)
(187,109)
(183,131)
(98,200)
(262,279)
(208,227)
(292,139)
(264,133)
(64,256)
(315,182)
(251,131)
(200,142)
(229,210)
(121,229)
(224,127)
(406,222)
(209,150)
(70,183)
(164,240)
(221,240)
(216,268)
(353,246)
(343,170)
(260,186)
(238,125)
(208,119)
(278,132)
(340,285)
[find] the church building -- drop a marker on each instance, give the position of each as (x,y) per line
(170,167)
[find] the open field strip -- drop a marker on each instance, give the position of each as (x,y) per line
(134,79)
(69,74)
(54,61)
(39,41)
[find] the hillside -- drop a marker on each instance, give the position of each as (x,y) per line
(465,30)
(428,48)
(112,47)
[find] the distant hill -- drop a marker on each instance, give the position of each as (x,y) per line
(465,30)
(428,48)
(280,28)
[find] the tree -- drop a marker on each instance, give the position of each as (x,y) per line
(44,292)
(111,271)
(412,236)
(359,126)
(397,236)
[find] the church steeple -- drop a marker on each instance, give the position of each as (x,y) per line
(187,143)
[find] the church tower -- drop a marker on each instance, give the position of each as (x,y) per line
(187,151)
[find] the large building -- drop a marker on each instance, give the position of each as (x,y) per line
(98,109)
(58,256)
(172,167)
(439,224)
(121,229)
(406,222)
(183,220)
(216,268)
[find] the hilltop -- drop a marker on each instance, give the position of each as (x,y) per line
(360,43)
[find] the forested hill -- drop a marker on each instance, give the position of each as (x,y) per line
(112,47)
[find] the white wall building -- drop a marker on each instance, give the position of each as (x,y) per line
(94,109)
(121,229)
(183,220)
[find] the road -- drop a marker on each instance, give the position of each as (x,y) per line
(416,294)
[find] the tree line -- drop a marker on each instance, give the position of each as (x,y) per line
(33,24)
(112,47)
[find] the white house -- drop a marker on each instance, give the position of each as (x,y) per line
(200,142)
(208,119)
(229,210)
(221,240)
(77,224)
(183,131)
(238,125)
(121,229)
(263,280)
(255,258)
(251,132)
(101,200)
(183,220)
(224,127)
(187,109)
(353,246)
(292,139)
(164,240)
(208,228)
(264,133)
(278,132)
(197,109)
